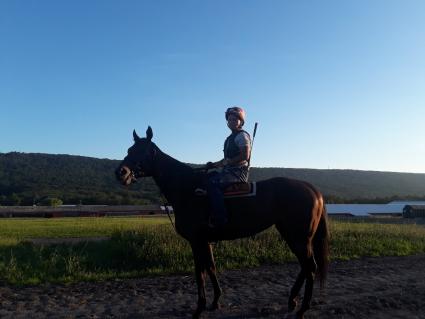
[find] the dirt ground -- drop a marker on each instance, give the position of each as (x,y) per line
(391,287)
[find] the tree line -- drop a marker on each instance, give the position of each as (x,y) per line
(47,179)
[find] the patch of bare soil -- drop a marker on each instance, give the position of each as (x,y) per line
(391,287)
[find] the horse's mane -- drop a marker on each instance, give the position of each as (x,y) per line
(171,163)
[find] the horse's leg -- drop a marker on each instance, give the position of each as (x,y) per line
(299,282)
(200,274)
(292,301)
(211,270)
(309,268)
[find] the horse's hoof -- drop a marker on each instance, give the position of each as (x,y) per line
(198,312)
(296,315)
(292,305)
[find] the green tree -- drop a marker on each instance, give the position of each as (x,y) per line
(14,200)
(52,201)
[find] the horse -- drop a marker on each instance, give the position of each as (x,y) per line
(295,207)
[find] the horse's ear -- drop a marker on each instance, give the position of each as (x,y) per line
(135,136)
(149,133)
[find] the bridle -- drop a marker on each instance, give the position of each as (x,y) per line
(135,168)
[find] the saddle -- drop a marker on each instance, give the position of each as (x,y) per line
(234,190)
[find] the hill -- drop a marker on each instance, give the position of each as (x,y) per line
(27,178)
(354,185)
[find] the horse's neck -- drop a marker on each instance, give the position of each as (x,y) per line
(172,176)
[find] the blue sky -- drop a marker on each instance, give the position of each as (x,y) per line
(333,84)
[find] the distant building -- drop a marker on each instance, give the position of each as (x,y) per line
(391,209)
(414,202)
(412,211)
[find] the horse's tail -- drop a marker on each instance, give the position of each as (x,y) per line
(321,247)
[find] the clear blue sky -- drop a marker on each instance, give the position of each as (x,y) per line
(333,84)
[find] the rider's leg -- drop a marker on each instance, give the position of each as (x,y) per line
(215,195)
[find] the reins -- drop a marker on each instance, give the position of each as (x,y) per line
(167,209)
(169,215)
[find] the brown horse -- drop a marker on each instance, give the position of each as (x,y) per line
(295,207)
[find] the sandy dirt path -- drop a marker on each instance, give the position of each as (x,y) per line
(391,287)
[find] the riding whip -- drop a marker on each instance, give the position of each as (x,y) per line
(252,143)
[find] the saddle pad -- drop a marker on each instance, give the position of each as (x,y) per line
(241,190)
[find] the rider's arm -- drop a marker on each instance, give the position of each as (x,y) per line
(243,156)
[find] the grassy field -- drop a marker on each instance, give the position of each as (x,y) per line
(18,229)
(148,246)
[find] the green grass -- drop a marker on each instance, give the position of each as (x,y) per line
(354,240)
(18,229)
(150,246)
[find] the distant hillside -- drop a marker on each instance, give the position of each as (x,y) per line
(353,184)
(31,177)
(28,178)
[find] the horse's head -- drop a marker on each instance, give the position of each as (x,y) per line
(139,160)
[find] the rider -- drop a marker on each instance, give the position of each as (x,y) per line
(234,166)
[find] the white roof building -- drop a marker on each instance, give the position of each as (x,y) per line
(393,208)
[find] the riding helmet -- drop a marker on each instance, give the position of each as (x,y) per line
(236,111)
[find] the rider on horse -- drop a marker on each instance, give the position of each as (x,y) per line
(234,166)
